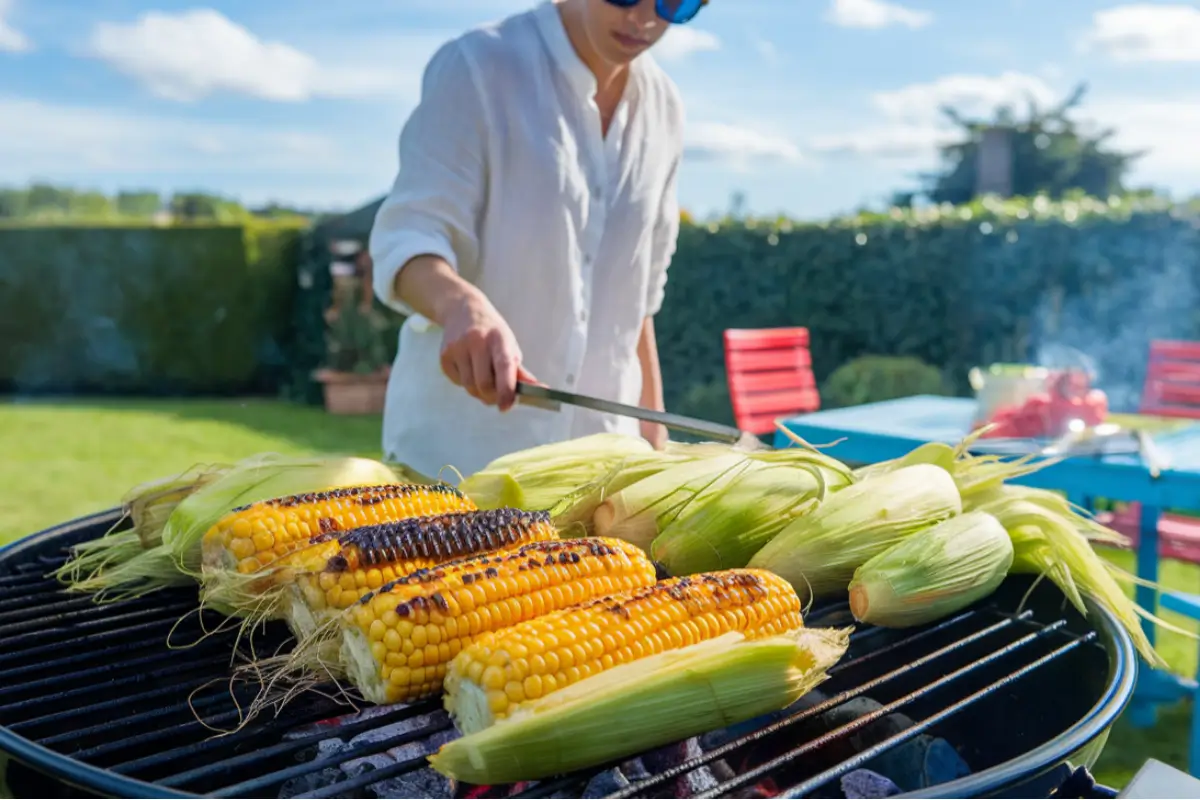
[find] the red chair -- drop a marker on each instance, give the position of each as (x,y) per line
(1172,389)
(769,372)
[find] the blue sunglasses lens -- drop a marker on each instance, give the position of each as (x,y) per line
(673,11)
(677,11)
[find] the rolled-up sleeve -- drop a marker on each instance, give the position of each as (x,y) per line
(433,206)
(666,234)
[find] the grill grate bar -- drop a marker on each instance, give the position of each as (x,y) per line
(368,778)
(316,713)
(40,629)
(887,744)
(299,743)
(279,776)
(96,674)
(20,579)
(83,656)
(544,790)
(128,720)
(850,727)
(85,638)
(129,680)
(10,619)
(25,597)
(105,705)
(915,638)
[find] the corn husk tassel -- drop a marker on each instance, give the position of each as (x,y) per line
(934,573)
(176,560)
(1051,544)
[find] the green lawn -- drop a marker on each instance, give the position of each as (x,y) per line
(65,459)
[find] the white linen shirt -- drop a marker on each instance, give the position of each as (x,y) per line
(505,174)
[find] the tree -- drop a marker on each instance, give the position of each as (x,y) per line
(1051,154)
(138,203)
(208,207)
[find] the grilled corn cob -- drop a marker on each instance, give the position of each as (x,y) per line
(334,575)
(645,704)
(252,537)
(396,642)
(502,669)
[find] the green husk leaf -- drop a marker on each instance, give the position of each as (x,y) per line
(539,478)
(177,559)
(644,704)
(723,530)
(1048,543)
(934,573)
(818,552)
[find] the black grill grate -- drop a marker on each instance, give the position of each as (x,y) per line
(97,683)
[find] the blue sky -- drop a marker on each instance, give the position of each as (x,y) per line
(808,107)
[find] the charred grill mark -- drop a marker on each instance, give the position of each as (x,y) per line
(473,569)
(360,495)
(443,537)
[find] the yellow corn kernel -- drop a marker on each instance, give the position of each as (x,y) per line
(456,602)
(252,537)
(496,671)
(333,575)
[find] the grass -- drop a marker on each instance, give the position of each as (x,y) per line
(66,459)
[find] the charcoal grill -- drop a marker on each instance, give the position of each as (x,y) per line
(1015,695)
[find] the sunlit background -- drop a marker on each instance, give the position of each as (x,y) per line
(806,107)
(928,186)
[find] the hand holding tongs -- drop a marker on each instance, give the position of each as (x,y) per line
(550,399)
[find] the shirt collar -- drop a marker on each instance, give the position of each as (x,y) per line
(562,52)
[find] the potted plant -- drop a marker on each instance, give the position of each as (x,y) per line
(357,365)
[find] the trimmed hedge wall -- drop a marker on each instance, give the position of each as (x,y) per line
(147,310)
(954,287)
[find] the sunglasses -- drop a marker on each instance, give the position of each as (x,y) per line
(675,12)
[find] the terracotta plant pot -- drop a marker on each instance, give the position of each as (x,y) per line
(352,393)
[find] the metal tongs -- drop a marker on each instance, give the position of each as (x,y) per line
(552,400)
(1101,440)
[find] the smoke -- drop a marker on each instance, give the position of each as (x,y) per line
(1107,328)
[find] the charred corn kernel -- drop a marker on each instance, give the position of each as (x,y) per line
(641,705)
(333,575)
(456,602)
(251,537)
(585,640)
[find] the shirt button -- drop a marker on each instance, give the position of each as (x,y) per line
(583,316)
(570,380)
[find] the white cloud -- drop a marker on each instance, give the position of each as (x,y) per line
(970,94)
(892,142)
(681,41)
(715,141)
(39,138)
(193,54)
(1167,128)
(768,51)
(11,39)
(875,14)
(1146,32)
(911,124)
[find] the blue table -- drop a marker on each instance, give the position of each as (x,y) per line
(882,431)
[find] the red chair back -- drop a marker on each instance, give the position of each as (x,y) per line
(1172,387)
(770,376)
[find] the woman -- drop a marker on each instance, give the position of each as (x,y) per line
(529,230)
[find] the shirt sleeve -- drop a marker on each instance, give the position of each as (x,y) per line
(433,206)
(666,234)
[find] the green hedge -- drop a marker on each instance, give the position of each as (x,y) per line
(954,287)
(144,309)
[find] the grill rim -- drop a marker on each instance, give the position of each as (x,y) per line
(1023,769)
